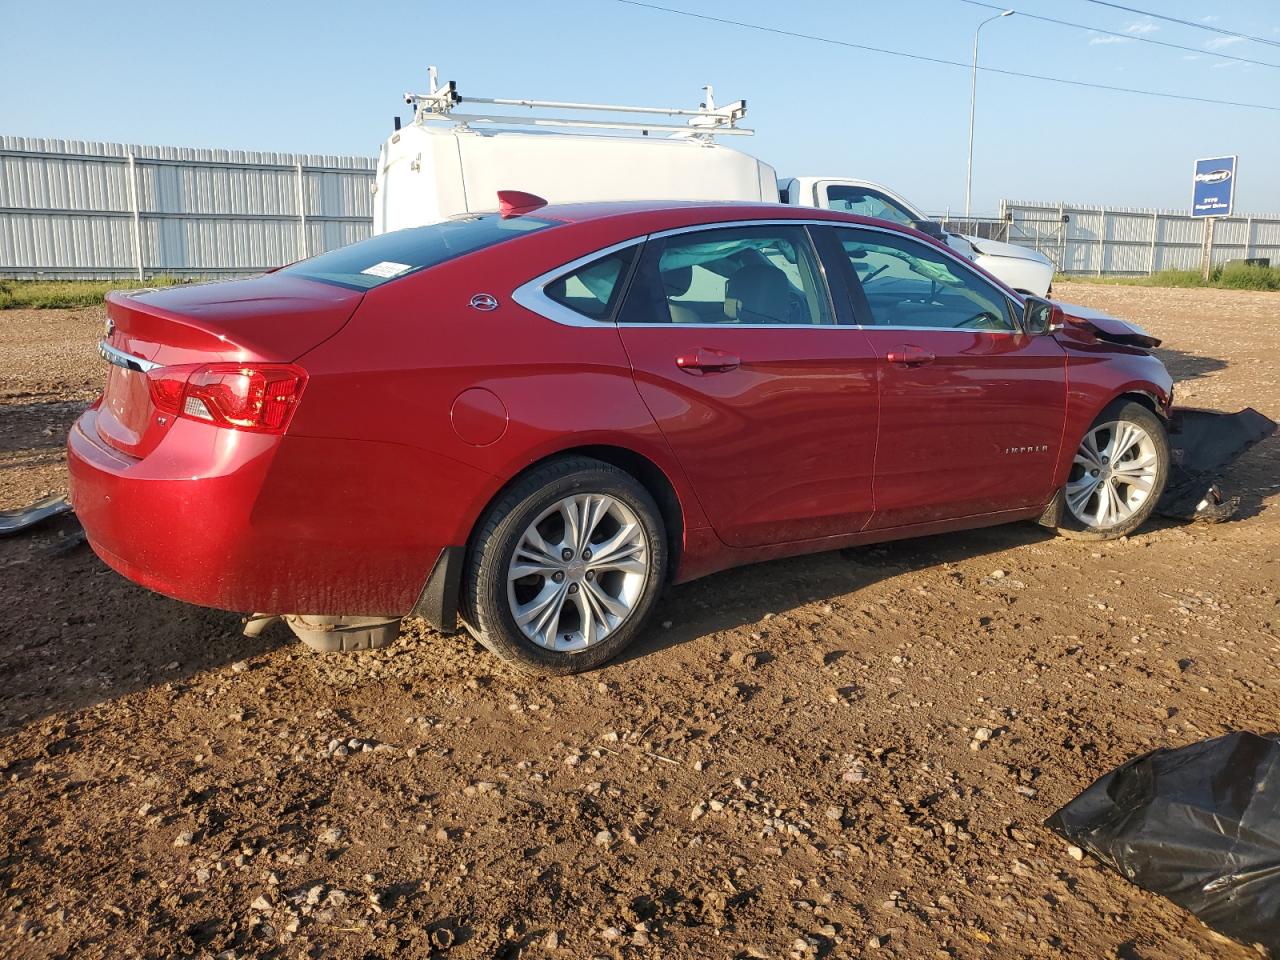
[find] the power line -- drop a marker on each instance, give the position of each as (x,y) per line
(1187,23)
(950,63)
(1125,36)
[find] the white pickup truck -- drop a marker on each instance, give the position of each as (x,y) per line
(1023,269)
(449,161)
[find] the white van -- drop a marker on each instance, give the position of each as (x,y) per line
(449,162)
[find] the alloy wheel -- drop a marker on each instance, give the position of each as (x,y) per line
(1113,474)
(577,572)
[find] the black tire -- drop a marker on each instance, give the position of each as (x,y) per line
(1123,410)
(486,611)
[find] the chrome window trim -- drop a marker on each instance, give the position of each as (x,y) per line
(532,296)
(126,360)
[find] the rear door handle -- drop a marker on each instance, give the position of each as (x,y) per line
(706,360)
(908,354)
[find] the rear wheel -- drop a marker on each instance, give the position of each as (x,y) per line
(1118,474)
(565,567)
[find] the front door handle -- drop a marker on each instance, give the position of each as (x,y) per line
(909,355)
(706,360)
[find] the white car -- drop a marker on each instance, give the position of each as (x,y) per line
(1023,269)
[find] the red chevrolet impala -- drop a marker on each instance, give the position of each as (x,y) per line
(532,421)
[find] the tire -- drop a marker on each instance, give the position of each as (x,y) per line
(612,594)
(1130,490)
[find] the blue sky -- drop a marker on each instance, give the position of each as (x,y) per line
(326,77)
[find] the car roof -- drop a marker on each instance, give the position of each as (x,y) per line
(614,221)
(689,212)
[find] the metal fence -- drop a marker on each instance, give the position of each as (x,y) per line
(76,210)
(1111,240)
(71,209)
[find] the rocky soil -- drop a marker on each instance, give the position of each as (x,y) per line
(845,755)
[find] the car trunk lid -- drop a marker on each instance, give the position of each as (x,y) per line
(271,318)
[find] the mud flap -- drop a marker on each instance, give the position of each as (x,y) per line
(438,602)
(1201,444)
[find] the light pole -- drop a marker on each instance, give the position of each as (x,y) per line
(973,103)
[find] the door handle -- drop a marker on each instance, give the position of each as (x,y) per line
(705,360)
(909,355)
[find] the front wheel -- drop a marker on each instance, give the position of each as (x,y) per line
(565,567)
(1118,474)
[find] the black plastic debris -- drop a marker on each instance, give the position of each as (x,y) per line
(16,521)
(1199,824)
(1202,443)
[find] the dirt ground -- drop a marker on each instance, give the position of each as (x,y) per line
(787,765)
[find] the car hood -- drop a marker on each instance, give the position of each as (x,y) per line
(994,248)
(1103,326)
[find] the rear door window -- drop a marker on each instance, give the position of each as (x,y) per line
(762,276)
(389,256)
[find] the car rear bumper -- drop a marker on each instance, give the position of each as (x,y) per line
(251,522)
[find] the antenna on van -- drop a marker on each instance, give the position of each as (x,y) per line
(705,123)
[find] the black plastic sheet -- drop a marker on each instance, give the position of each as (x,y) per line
(1199,824)
(1201,444)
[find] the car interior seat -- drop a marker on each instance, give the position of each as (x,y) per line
(758,293)
(676,283)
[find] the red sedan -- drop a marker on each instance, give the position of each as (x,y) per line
(533,421)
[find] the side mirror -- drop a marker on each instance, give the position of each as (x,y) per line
(931,227)
(1040,316)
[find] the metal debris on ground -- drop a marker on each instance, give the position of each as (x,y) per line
(16,521)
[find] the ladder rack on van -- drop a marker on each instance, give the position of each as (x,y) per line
(704,123)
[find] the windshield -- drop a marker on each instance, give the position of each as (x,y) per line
(370,263)
(867,202)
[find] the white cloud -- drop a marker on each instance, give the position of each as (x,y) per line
(1141,27)
(1104,38)
(1217,43)
(1191,56)
(1209,19)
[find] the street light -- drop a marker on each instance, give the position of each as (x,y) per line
(973,103)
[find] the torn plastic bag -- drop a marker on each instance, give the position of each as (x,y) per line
(15,521)
(1199,824)
(1201,444)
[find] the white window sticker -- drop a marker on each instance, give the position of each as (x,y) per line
(387,269)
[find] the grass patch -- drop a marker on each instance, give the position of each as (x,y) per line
(1236,276)
(56,294)
(1239,276)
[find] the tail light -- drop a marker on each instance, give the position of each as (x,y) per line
(244,396)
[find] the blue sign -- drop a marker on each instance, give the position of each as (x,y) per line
(1214,187)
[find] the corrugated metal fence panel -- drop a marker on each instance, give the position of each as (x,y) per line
(67,208)
(1120,240)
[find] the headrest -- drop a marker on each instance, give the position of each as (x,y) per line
(758,293)
(677,280)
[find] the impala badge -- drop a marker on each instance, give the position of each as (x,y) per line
(1042,448)
(485,302)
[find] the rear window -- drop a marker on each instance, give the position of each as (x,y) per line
(373,262)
